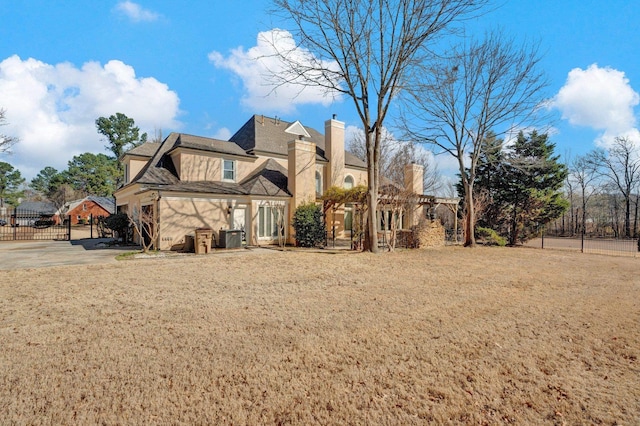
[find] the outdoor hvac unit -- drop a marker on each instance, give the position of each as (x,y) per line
(230,238)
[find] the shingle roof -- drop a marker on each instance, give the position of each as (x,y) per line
(208,187)
(106,203)
(39,207)
(269,179)
(147,149)
(259,134)
(265,134)
(160,170)
(208,144)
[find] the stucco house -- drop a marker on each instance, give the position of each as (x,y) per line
(267,167)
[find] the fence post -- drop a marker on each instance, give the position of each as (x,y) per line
(14,222)
(91,224)
(543,238)
(582,240)
(69,229)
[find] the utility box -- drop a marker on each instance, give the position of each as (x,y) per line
(203,240)
(189,243)
(230,238)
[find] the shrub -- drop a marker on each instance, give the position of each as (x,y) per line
(309,225)
(120,224)
(490,237)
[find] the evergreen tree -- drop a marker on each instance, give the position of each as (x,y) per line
(530,190)
(44,180)
(93,174)
(10,181)
(122,134)
(521,185)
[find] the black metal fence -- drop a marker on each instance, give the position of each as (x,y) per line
(610,246)
(19,224)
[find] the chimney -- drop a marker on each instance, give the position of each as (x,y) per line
(414,178)
(414,184)
(301,175)
(334,151)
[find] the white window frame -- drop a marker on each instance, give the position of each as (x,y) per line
(348,213)
(353,182)
(318,183)
(233,170)
(267,218)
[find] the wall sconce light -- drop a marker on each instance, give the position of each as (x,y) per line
(229,207)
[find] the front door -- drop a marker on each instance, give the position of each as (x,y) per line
(239,214)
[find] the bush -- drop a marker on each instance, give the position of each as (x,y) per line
(120,224)
(309,225)
(490,237)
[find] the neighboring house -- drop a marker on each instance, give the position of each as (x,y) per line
(267,167)
(79,211)
(28,212)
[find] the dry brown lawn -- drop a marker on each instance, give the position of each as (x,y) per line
(484,336)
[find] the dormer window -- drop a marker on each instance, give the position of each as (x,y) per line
(229,170)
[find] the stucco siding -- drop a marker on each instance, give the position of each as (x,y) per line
(181,216)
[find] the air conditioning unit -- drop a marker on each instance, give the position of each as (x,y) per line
(230,238)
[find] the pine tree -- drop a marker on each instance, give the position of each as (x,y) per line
(530,190)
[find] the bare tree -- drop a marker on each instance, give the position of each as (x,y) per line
(146,224)
(398,202)
(6,141)
(395,155)
(481,87)
(364,50)
(584,174)
(61,197)
(620,165)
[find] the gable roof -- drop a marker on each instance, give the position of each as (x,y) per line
(267,135)
(106,203)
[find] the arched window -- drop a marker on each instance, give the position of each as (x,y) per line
(348,182)
(318,183)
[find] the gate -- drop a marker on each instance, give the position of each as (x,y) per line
(21,224)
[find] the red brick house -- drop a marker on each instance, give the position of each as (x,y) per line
(79,211)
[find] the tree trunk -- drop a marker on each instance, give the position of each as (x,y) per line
(627,216)
(372,196)
(469,235)
(635,220)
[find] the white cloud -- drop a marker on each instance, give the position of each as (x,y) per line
(256,67)
(599,98)
(53,108)
(223,134)
(135,12)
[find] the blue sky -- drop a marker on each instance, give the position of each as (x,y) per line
(190,69)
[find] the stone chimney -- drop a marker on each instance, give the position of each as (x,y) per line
(334,151)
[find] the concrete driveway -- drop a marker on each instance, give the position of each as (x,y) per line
(39,254)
